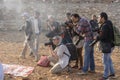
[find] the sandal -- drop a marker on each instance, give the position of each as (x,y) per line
(75,67)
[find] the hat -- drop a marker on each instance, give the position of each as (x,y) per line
(56,37)
(25,14)
(50,16)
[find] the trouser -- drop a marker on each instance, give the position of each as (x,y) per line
(56,66)
(1,72)
(80,57)
(52,60)
(29,43)
(88,57)
(56,69)
(36,43)
(108,65)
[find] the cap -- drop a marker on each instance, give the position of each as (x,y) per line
(50,16)
(56,37)
(25,14)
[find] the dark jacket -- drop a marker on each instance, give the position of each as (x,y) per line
(106,33)
(94,25)
(27,27)
(67,37)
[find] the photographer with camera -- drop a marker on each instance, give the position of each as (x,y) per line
(60,56)
(54,30)
(83,28)
(67,30)
(65,34)
(106,38)
(53,26)
(69,24)
(70,36)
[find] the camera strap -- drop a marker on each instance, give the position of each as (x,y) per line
(80,38)
(66,54)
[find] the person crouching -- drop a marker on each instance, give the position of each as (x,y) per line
(59,58)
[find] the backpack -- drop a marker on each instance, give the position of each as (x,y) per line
(44,61)
(116,36)
(73,51)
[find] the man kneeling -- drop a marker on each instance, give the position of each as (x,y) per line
(60,56)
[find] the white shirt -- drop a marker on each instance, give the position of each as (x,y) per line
(63,59)
(1,72)
(36,26)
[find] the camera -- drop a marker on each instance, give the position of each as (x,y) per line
(66,23)
(96,29)
(50,43)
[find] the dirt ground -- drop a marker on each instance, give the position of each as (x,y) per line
(11,44)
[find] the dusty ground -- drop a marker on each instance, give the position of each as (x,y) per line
(11,44)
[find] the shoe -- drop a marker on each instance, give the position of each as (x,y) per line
(103,78)
(31,54)
(82,73)
(75,67)
(36,59)
(21,56)
(80,68)
(52,64)
(68,69)
(91,71)
(112,76)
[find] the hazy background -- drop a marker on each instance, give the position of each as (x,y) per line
(11,10)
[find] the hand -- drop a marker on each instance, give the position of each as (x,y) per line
(20,29)
(50,47)
(28,38)
(95,37)
(54,54)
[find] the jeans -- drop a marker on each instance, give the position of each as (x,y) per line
(88,57)
(1,72)
(29,44)
(36,43)
(108,65)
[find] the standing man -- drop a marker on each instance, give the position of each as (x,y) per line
(37,30)
(106,35)
(69,24)
(27,27)
(94,25)
(53,26)
(83,28)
